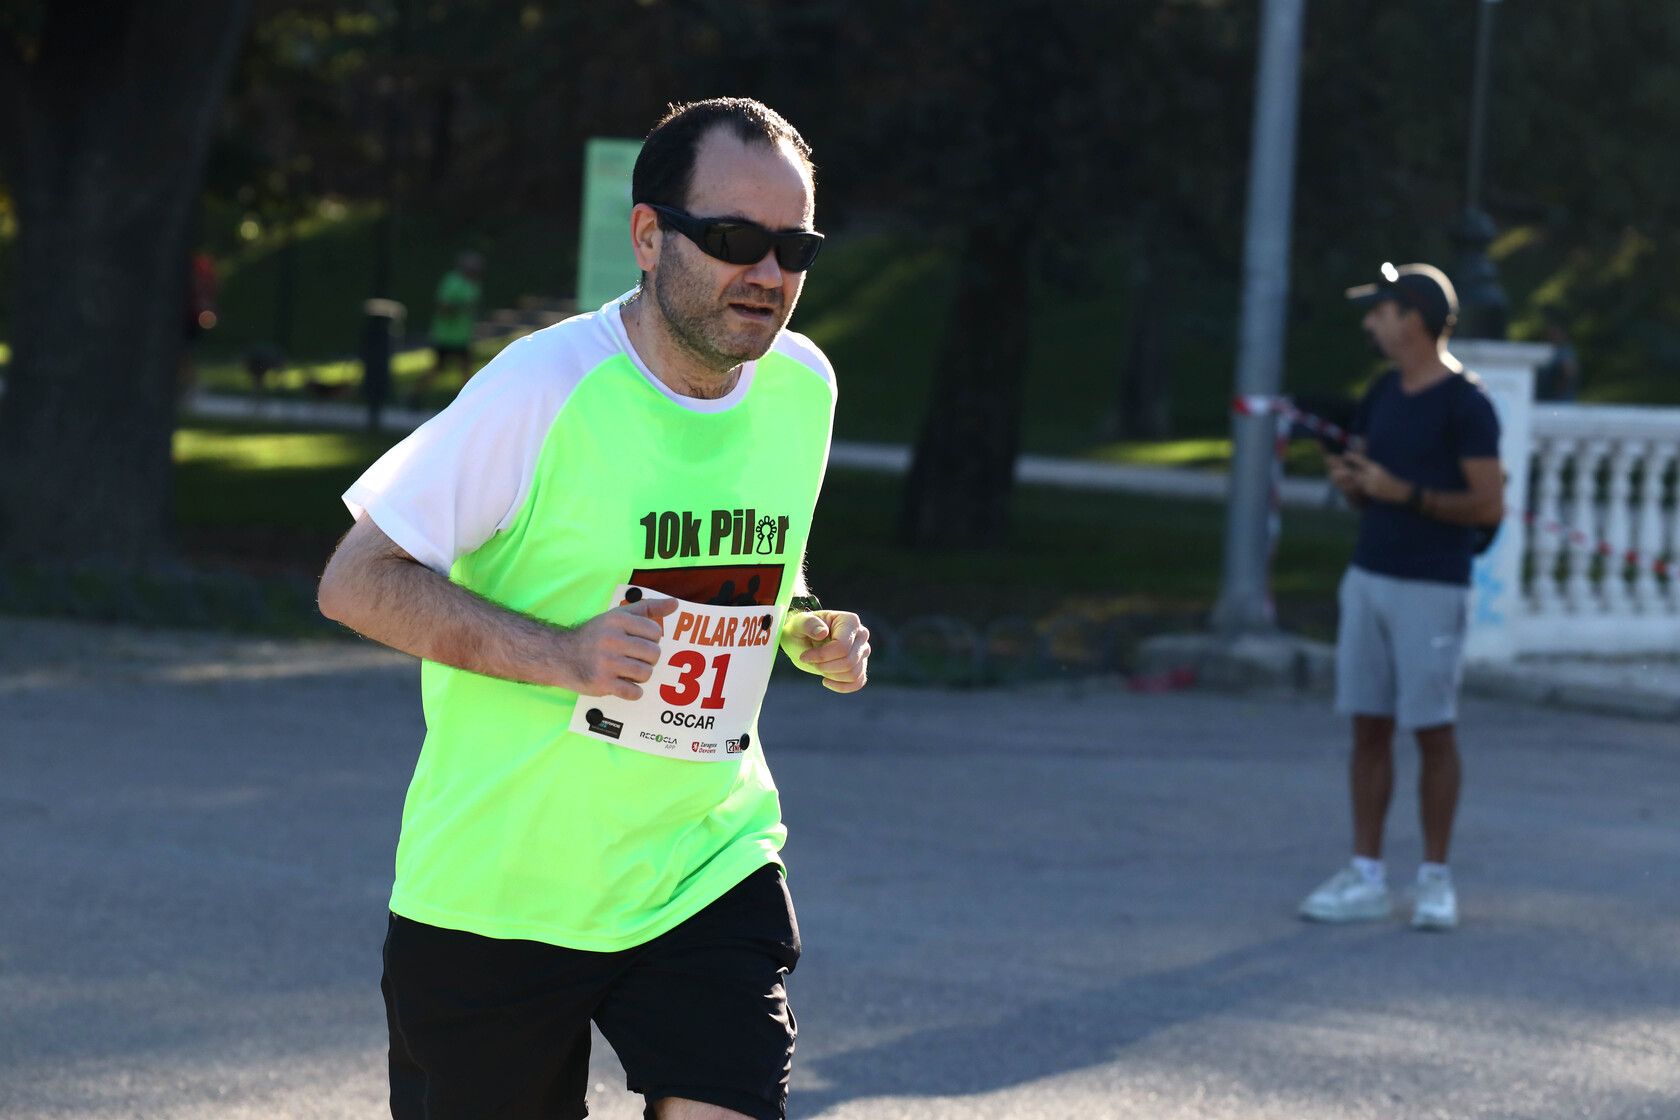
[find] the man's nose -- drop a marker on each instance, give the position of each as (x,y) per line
(767,273)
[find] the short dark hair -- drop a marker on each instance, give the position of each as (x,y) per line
(665,167)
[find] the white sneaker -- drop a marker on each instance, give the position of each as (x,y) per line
(1437,905)
(1347,896)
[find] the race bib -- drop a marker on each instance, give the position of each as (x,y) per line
(705,692)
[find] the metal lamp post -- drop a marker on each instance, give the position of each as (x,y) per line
(1244,605)
(1484,310)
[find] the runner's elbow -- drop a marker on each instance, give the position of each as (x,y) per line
(332,594)
(327,597)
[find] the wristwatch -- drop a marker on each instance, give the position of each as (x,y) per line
(1414,500)
(805,603)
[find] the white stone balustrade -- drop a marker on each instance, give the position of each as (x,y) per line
(1603,486)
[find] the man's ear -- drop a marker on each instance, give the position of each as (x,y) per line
(645,236)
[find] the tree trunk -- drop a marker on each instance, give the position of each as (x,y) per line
(110,117)
(958,490)
(998,164)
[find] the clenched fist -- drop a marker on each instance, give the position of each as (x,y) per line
(832,644)
(614,653)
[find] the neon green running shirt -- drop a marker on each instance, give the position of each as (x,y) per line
(563,470)
(456,329)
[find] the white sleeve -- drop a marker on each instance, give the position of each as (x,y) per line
(463,475)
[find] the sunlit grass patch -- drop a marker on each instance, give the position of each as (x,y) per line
(1301,456)
(234,449)
(345,376)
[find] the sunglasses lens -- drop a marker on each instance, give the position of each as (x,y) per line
(797,251)
(744,243)
(735,243)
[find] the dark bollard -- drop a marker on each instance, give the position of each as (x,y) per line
(379,327)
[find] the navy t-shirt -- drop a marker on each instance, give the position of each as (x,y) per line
(1420,437)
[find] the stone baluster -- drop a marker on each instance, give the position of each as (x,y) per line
(1545,544)
(1613,587)
(1649,540)
(1582,596)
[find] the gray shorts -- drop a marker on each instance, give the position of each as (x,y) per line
(1400,648)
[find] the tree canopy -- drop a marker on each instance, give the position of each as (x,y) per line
(1042,145)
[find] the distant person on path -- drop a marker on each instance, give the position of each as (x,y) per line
(1423,469)
(454,317)
(597,550)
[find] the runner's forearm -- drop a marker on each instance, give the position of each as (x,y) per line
(398,602)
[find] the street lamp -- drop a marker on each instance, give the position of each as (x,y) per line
(1245,605)
(1484,309)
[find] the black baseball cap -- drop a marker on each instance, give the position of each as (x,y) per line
(1421,287)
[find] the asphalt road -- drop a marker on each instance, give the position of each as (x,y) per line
(1046,903)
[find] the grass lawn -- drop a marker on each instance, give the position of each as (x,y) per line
(267,500)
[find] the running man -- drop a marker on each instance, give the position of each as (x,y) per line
(597,550)
(1423,470)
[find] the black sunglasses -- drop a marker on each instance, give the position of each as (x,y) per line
(741,242)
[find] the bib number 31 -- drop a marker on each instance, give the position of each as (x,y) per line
(705,691)
(691,667)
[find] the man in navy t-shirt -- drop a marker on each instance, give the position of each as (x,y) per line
(1422,467)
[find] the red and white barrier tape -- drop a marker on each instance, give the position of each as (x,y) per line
(1284,407)
(1630,558)
(1251,405)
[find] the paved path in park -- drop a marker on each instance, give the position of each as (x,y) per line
(1062,902)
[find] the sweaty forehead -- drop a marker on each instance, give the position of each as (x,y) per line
(764,183)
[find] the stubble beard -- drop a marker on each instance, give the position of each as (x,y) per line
(697,322)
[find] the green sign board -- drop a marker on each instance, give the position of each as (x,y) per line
(606,266)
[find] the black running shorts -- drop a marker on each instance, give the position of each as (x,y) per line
(486,1028)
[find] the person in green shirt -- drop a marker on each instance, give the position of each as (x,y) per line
(454,316)
(597,551)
